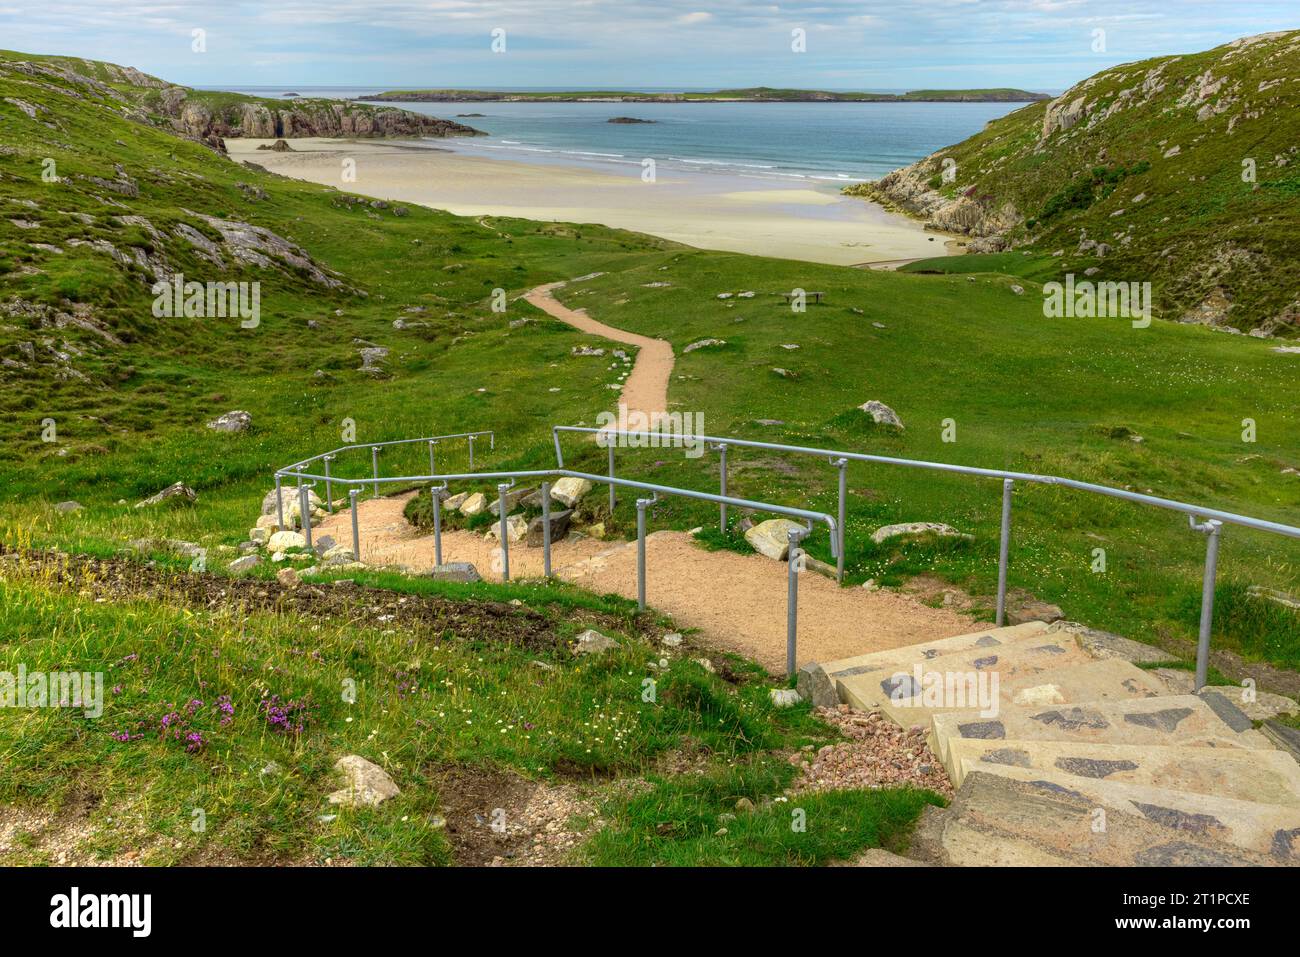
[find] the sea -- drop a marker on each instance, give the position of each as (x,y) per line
(807,145)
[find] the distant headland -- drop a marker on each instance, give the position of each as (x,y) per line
(757,94)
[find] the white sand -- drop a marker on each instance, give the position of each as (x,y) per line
(703,210)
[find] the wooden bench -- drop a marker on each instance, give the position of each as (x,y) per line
(808,293)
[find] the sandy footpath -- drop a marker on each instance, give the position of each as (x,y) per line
(738,602)
(646,389)
(710,211)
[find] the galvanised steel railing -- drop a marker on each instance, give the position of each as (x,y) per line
(794,536)
(327,457)
(1208,521)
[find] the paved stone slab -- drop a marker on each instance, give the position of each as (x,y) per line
(904,656)
(1263,776)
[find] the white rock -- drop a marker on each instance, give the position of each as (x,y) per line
(474,504)
(516,529)
(881,413)
(244,564)
(285,540)
(771,538)
(916,528)
(569,491)
(366,784)
(784,697)
(259,535)
(592,642)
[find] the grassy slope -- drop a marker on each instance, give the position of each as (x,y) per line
(1200,228)
(1026,392)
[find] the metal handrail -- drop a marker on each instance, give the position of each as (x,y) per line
(794,537)
(1208,521)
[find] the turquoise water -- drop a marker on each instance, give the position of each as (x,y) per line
(805,144)
(808,144)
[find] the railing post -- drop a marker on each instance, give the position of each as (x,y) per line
(641,504)
(329,488)
(722,485)
(546,529)
(374,461)
(843,466)
(505,542)
(792,601)
(470,438)
(1211,530)
(356,529)
(304,513)
(433,469)
(1004,551)
(610,439)
(279,501)
(435,494)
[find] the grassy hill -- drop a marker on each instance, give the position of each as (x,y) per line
(1181,171)
(104,402)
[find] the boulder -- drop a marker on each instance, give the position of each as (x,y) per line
(569,491)
(516,529)
(68,506)
(1033,610)
(246,563)
(177,493)
(473,504)
(917,528)
(338,555)
(268,501)
(259,535)
(236,421)
(453,572)
(772,538)
(455,501)
(881,414)
(288,577)
(365,784)
(513,497)
(783,697)
(268,522)
(815,685)
(592,642)
(283,540)
(559,527)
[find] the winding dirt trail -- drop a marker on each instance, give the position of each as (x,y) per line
(646,389)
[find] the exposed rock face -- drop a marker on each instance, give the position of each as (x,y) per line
(178,491)
(881,414)
(301,118)
(886,532)
(236,421)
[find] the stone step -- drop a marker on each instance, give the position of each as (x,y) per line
(1269,829)
(1173,719)
(1267,777)
(904,656)
(1091,681)
(998,821)
(899,684)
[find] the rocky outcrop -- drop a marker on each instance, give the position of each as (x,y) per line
(191,115)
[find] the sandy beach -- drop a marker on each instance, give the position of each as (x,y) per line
(709,211)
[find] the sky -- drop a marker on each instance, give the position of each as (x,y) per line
(1042,45)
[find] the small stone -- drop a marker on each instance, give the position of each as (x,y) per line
(288,577)
(784,697)
(367,784)
(592,642)
(672,640)
(68,506)
(246,563)
(236,421)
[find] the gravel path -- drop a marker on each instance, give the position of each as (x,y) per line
(646,389)
(738,602)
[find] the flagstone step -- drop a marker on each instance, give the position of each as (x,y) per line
(1267,777)
(1269,829)
(904,656)
(998,821)
(1026,657)
(1172,719)
(1112,679)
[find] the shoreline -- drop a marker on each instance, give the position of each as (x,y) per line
(704,210)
